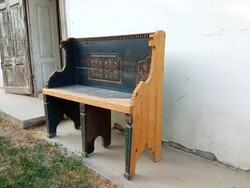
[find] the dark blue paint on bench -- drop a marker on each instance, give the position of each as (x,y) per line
(125,52)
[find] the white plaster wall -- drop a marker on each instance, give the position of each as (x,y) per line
(1,75)
(207,65)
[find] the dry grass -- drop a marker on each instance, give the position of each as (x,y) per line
(28,161)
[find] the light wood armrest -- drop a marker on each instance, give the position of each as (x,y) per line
(147,106)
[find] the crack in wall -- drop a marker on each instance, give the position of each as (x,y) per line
(222,31)
(180,98)
(203,154)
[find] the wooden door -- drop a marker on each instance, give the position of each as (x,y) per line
(14,51)
(44,40)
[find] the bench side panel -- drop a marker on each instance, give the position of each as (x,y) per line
(67,76)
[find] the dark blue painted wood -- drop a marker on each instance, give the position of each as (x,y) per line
(54,110)
(79,52)
(67,76)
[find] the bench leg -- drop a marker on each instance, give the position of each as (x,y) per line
(95,122)
(72,110)
(128,145)
(53,114)
(55,108)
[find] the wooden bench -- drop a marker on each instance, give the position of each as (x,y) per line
(119,73)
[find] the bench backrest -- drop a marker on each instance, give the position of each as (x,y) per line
(116,63)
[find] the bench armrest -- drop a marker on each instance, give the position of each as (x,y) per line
(147,104)
(67,76)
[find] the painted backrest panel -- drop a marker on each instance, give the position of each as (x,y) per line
(116,63)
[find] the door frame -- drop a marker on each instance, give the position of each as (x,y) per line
(28,49)
(62,31)
(62,28)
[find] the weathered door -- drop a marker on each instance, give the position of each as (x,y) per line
(14,52)
(44,43)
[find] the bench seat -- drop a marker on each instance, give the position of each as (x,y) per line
(103,98)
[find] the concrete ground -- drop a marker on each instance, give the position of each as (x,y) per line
(177,169)
(23,110)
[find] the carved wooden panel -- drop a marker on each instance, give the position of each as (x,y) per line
(143,68)
(107,62)
(105,67)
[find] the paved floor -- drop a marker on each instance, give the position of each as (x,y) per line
(23,110)
(177,169)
